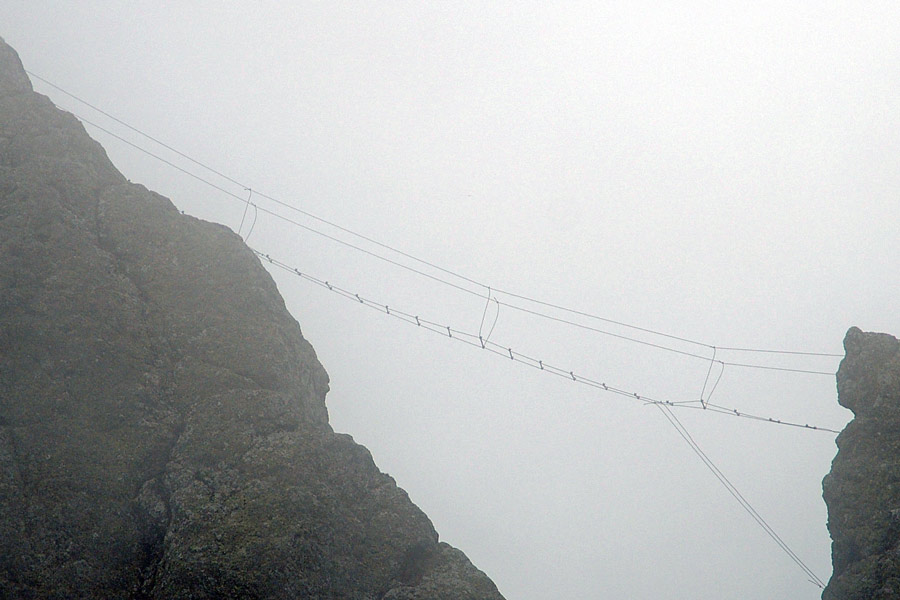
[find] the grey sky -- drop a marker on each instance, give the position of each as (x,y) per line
(717,171)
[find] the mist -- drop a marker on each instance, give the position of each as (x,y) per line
(724,175)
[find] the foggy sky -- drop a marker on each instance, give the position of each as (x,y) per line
(719,172)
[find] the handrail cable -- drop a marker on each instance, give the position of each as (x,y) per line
(433,277)
(413,257)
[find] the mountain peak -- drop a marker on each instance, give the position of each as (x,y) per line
(13,78)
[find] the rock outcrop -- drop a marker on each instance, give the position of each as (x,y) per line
(163,430)
(863,489)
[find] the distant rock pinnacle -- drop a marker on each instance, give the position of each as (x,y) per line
(863,489)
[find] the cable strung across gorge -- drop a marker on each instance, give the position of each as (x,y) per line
(664,406)
(516,307)
(445,271)
(478,341)
(512,306)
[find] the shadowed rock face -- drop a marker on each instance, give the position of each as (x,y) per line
(863,489)
(163,431)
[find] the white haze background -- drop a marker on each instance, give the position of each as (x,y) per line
(726,172)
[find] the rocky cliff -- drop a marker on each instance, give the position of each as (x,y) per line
(863,489)
(163,431)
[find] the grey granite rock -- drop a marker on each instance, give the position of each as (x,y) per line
(863,489)
(163,430)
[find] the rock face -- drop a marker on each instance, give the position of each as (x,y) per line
(863,489)
(163,431)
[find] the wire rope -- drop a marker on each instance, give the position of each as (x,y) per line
(412,257)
